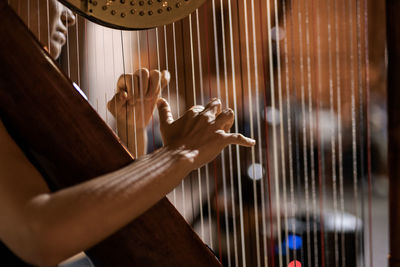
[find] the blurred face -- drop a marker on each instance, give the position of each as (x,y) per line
(60,18)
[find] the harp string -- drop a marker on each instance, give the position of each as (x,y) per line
(262,181)
(311,135)
(38,18)
(233,75)
(67,43)
(333,141)
(239,177)
(198,171)
(339,129)
(361,120)
(104,75)
(227,227)
(267,159)
(289,129)
(133,86)
(274,142)
(256,88)
(317,80)
(169,94)
(217,67)
(304,132)
(77,50)
(249,91)
(282,141)
(353,125)
(367,102)
(295,116)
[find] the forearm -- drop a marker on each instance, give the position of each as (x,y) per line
(134,138)
(79,217)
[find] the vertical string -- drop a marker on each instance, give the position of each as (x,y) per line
(87,61)
(217,65)
(229,147)
(104,75)
(353,125)
(238,167)
(94,32)
(38,8)
(267,159)
(168,88)
(177,101)
(29,13)
(113,64)
(367,103)
(274,142)
(124,73)
(263,199)
(133,86)
(202,102)
(48,26)
(77,49)
(311,127)
(295,115)
(209,87)
(361,120)
(282,139)
(233,76)
(333,134)
(67,41)
(289,123)
(316,11)
(195,103)
(339,131)
(249,88)
(304,132)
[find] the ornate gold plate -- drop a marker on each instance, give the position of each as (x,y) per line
(133,14)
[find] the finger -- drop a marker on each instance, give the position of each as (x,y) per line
(213,107)
(165,78)
(238,139)
(154,84)
(225,120)
(143,82)
(125,84)
(117,102)
(164,111)
(197,109)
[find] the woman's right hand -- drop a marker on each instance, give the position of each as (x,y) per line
(203,130)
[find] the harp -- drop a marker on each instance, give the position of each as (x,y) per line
(304,194)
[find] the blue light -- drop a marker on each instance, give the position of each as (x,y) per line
(294,242)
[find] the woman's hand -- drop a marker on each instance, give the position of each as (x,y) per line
(200,129)
(133,105)
(135,100)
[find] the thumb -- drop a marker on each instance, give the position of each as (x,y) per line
(164,111)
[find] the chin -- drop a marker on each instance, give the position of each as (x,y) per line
(55,50)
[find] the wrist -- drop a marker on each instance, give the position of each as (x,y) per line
(184,158)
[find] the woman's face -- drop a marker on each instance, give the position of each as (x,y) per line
(60,18)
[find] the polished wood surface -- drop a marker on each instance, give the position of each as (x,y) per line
(66,140)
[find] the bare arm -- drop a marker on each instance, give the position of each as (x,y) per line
(34,219)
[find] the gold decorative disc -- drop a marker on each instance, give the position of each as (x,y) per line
(133,14)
